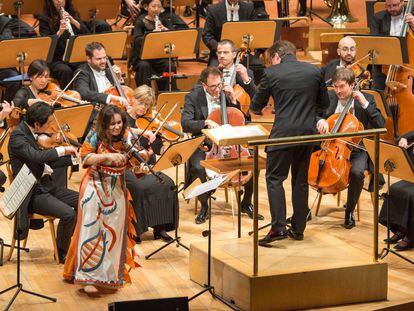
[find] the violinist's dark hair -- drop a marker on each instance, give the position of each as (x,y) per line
(104,121)
(37,68)
(213,71)
(147,2)
(38,112)
(91,47)
(282,48)
(229,42)
(53,16)
(344,74)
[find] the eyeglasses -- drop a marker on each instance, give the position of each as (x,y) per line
(348,49)
(215,86)
(223,52)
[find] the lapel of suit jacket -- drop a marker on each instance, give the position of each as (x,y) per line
(95,85)
(333,102)
(28,133)
(203,102)
(387,24)
(359,111)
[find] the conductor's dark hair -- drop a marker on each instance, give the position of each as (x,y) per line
(91,47)
(209,71)
(282,48)
(344,74)
(38,112)
(37,68)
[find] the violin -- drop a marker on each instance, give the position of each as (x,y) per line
(362,76)
(68,98)
(169,130)
(118,89)
(55,137)
(329,167)
(14,117)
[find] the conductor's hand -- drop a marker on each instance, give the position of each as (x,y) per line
(361,98)
(403,143)
(409,19)
(210,124)
(322,126)
(70,150)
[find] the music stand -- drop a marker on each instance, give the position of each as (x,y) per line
(19,7)
(208,187)
(176,154)
(254,34)
(22,51)
(180,44)
(89,10)
(74,119)
(394,161)
(169,99)
(114,43)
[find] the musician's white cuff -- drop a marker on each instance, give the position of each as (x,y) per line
(108,99)
(248,81)
(365,106)
(60,151)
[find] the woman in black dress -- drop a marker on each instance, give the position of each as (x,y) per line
(401,209)
(144,69)
(52,23)
(155,203)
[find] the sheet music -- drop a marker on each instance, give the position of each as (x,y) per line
(227,131)
(14,196)
(207,186)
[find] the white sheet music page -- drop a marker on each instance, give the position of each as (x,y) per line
(227,131)
(206,186)
(14,196)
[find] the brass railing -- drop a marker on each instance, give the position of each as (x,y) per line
(294,140)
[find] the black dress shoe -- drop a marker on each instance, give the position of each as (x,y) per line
(162,235)
(395,238)
(349,220)
(248,209)
(403,245)
(295,235)
(187,11)
(273,236)
(289,219)
(202,215)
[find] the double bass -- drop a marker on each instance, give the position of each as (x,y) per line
(400,87)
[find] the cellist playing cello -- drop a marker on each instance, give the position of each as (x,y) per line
(366,111)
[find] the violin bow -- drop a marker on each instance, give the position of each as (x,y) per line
(166,118)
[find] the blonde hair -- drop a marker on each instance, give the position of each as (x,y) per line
(145,94)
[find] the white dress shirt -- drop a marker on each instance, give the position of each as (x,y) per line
(232,15)
(102,82)
(396,24)
(212,103)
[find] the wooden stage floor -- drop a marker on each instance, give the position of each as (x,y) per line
(167,273)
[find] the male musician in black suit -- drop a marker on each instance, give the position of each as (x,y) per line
(366,111)
(346,52)
(46,198)
(199,103)
(390,21)
(298,90)
(226,54)
(218,14)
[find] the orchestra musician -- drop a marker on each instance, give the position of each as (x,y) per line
(104,233)
(153,21)
(298,90)
(46,197)
(53,23)
(366,111)
(155,203)
(401,199)
(199,103)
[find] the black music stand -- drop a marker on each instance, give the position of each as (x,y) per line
(176,154)
(170,44)
(311,12)
(396,162)
(19,7)
(19,284)
(207,233)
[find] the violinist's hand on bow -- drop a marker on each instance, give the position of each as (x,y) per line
(361,98)
(7,108)
(115,159)
(149,135)
(322,126)
(141,169)
(242,71)
(123,101)
(70,150)
(409,19)
(403,143)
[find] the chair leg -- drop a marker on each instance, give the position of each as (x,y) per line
(226,194)
(318,205)
(53,234)
(338,199)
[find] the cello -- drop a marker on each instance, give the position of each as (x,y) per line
(399,85)
(329,167)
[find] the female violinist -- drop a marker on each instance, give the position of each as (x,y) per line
(60,18)
(153,21)
(102,247)
(154,202)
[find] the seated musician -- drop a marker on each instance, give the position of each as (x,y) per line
(51,22)
(218,14)
(154,202)
(46,197)
(390,21)
(401,205)
(199,103)
(366,111)
(38,73)
(144,69)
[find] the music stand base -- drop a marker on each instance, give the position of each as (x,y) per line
(176,240)
(386,251)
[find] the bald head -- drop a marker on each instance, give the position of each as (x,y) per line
(394,7)
(347,50)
